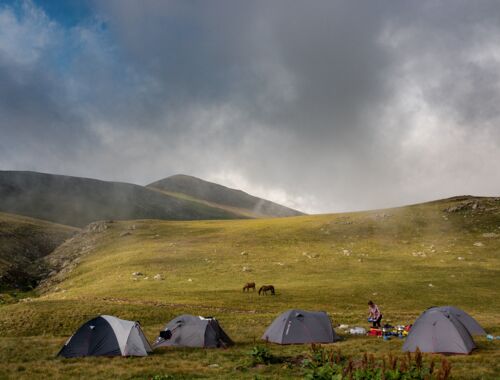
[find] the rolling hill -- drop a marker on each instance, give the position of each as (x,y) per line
(222,196)
(78,201)
(405,259)
(23,241)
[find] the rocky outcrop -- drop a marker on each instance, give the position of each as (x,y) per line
(66,257)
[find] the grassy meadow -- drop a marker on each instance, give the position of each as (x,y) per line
(405,259)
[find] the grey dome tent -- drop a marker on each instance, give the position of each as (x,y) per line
(438,330)
(472,326)
(192,331)
(299,327)
(107,336)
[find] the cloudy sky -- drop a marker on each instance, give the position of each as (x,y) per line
(320,105)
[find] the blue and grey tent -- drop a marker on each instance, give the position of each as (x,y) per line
(107,336)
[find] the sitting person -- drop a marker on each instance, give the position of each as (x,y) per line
(374,316)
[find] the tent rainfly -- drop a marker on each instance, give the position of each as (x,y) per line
(472,326)
(299,327)
(439,330)
(107,336)
(192,331)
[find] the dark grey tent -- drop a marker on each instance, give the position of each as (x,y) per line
(472,326)
(299,326)
(438,330)
(107,336)
(191,331)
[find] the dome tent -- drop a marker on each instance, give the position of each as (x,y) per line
(472,326)
(192,331)
(107,336)
(438,330)
(299,327)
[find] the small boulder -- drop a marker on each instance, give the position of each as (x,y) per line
(158,277)
(478,244)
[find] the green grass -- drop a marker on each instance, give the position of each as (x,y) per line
(333,263)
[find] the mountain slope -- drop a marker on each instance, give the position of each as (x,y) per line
(78,201)
(222,196)
(405,259)
(22,242)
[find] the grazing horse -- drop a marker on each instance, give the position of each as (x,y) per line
(248,286)
(266,288)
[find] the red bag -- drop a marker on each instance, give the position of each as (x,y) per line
(375,332)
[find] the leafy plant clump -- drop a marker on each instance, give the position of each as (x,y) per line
(323,364)
(262,355)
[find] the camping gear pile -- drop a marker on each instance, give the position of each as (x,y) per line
(388,331)
(445,329)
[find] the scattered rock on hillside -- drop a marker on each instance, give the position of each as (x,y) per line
(490,235)
(419,254)
(475,205)
(125,233)
(430,285)
(244,253)
(137,274)
(478,244)
(158,277)
(99,226)
(460,258)
(346,252)
(246,269)
(190,280)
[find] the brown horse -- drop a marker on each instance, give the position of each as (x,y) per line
(248,286)
(266,288)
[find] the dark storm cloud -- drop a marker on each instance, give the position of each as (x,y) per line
(325,105)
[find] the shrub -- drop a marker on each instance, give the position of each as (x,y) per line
(262,355)
(323,364)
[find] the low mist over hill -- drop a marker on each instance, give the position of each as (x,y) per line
(222,195)
(78,201)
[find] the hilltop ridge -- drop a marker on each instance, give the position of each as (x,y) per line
(222,196)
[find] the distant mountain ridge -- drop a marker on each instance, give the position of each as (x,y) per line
(79,201)
(222,196)
(76,201)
